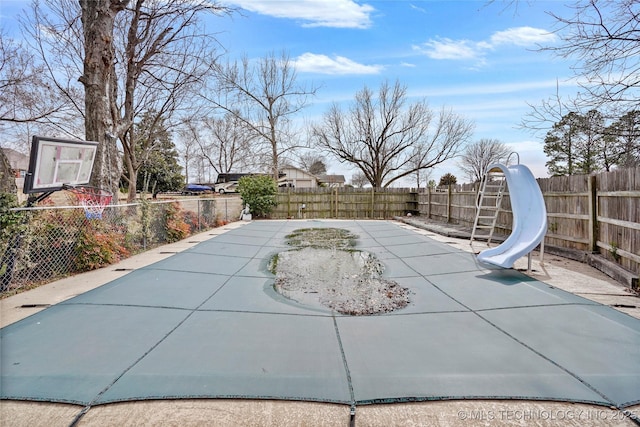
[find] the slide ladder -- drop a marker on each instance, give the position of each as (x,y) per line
(488,202)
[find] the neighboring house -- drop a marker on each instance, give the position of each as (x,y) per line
(297,178)
(332,181)
(19,165)
(19,162)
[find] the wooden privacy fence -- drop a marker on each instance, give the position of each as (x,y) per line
(616,220)
(346,203)
(588,213)
(597,213)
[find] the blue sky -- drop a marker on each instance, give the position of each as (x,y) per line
(478,58)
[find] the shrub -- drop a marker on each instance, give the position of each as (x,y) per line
(10,222)
(192,220)
(220,221)
(98,246)
(177,228)
(260,193)
(12,229)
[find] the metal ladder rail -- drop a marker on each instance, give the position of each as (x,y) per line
(485,194)
(498,201)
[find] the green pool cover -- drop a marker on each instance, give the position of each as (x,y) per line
(206,323)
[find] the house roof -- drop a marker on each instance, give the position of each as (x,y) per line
(297,170)
(332,179)
(17,160)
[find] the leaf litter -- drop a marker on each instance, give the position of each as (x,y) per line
(325,269)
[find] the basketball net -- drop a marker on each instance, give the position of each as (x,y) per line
(93,200)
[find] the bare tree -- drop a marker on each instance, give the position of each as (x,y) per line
(477,157)
(420,175)
(387,138)
(223,142)
(313,163)
(135,56)
(188,150)
(604,38)
(24,95)
(162,53)
(30,103)
(359,180)
(550,111)
(265,96)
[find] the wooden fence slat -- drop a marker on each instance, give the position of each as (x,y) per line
(619,193)
(625,224)
(567,238)
(567,215)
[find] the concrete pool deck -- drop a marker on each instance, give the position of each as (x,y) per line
(513,337)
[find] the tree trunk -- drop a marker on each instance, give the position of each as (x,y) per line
(133,179)
(98,80)
(274,165)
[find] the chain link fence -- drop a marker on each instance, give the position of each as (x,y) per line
(42,244)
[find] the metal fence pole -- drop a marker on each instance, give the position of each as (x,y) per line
(199,224)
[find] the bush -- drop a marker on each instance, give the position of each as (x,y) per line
(10,222)
(177,228)
(12,228)
(260,193)
(98,246)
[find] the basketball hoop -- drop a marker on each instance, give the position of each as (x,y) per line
(93,200)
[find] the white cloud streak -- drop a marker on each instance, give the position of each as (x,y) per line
(313,13)
(449,49)
(523,36)
(322,64)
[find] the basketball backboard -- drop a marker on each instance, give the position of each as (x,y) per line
(54,162)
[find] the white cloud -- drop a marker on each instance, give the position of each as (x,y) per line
(419,9)
(446,48)
(522,36)
(313,13)
(315,63)
(449,49)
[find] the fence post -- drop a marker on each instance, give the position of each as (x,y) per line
(199,224)
(429,203)
(449,203)
(593,214)
(373,202)
(385,205)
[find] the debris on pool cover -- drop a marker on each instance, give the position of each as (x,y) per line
(326,270)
